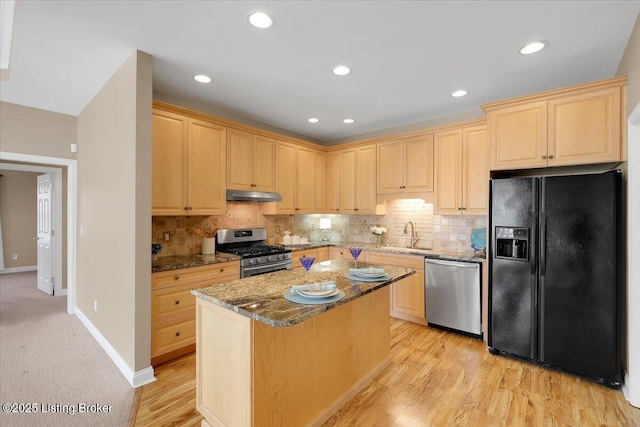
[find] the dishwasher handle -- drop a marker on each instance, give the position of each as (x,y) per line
(452,263)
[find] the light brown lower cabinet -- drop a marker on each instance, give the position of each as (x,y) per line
(173,327)
(407,295)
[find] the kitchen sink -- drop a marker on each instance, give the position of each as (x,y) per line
(404,249)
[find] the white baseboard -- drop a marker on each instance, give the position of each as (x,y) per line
(136,379)
(19,269)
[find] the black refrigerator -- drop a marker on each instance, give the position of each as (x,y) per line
(555,273)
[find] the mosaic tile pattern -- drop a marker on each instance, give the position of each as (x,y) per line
(452,232)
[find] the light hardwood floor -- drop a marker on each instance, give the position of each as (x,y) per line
(436,379)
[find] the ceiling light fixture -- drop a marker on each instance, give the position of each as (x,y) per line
(313,120)
(341,70)
(260,20)
(459,93)
(202,78)
(348,121)
(532,48)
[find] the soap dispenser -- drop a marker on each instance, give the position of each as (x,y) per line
(286,239)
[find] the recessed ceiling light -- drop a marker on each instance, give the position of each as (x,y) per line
(341,70)
(202,78)
(260,20)
(532,48)
(459,93)
(348,121)
(313,120)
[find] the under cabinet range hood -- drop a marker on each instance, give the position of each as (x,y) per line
(252,196)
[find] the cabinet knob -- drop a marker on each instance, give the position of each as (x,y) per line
(221,270)
(177,334)
(186,208)
(297,209)
(544,156)
(190,207)
(550,156)
(463,209)
(177,301)
(176,277)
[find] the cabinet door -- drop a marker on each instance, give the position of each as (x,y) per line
(448,164)
(285,177)
(322,254)
(389,170)
(475,171)
(518,136)
(169,164)
(305,177)
(320,183)
(418,164)
(206,177)
(296,255)
(366,180)
(239,160)
(333,182)
(407,297)
(347,186)
(263,163)
(585,128)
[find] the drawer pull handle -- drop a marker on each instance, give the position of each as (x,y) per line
(177,301)
(176,278)
(177,334)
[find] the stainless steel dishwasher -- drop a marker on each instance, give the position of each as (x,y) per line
(453,295)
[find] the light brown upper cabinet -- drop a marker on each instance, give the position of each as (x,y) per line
(405,165)
(320,183)
(357,172)
(295,178)
(461,171)
(189,158)
(250,161)
(333,182)
(570,126)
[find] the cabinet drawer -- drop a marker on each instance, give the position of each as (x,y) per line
(214,273)
(172,302)
(173,334)
(412,261)
(338,252)
(296,255)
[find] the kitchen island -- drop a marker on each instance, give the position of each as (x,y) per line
(264,361)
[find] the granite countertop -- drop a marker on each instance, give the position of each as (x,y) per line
(261,297)
(175,262)
(444,254)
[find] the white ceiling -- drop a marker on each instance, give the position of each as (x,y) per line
(406,57)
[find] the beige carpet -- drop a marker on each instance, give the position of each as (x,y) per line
(50,362)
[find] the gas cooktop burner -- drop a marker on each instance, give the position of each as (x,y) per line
(258,250)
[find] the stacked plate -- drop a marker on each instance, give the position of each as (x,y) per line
(318,293)
(369,274)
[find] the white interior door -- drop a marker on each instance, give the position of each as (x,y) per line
(45,234)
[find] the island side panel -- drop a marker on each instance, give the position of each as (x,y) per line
(224,361)
(306,372)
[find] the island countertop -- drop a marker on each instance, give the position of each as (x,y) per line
(261,297)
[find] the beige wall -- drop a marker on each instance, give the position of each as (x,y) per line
(114,211)
(630,65)
(19,215)
(37,132)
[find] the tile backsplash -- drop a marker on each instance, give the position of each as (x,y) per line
(447,232)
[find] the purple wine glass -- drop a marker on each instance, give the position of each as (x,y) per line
(307,262)
(355,253)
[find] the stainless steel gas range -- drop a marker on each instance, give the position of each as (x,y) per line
(256,256)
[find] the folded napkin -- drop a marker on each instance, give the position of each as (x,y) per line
(368,270)
(322,286)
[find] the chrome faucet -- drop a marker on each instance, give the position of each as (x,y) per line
(414,235)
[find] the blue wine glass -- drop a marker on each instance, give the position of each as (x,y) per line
(307,262)
(355,253)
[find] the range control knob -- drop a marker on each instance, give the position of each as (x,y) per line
(280,256)
(250,261)
(271,258)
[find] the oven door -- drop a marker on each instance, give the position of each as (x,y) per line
(248,271)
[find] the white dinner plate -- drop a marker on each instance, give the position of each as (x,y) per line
(369,272)
(318,294)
